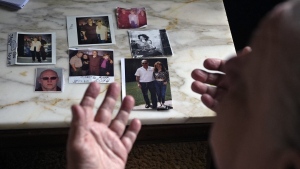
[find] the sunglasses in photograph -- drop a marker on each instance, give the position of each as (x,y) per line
(47,78)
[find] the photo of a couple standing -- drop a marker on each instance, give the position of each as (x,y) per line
(147,80)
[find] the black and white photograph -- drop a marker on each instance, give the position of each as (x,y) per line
(149,43)
(33,48)
(89,65)
(148,81)
(49,80)
(90,30)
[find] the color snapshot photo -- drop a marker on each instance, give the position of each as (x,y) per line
(89,65)
(130,18)
(147,80)
(36,49)
(90,30)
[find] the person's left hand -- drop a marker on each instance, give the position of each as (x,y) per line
(212,86)
(98,141)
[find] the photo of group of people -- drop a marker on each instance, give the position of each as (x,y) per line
(147,80)
(88,65)
(92,64)
(131,18)
(49,80)
(149,43)
(93,30)
(35,48)
(90,30)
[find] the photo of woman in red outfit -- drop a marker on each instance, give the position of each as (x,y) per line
(123,17)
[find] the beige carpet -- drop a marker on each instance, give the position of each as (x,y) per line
(183,155)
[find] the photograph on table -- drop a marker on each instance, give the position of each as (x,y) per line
(148,81)
(89,65)
(149,43)
(31,48)
(130,18)
(90,30)
(49,80)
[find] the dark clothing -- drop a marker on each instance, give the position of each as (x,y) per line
(145,86)
(160,78)
(94,65)
(35,54)
(106,69)
(85,66)
(161,89)
(78,72)
(40,89)
(148,52)
(42,50)
(90,33)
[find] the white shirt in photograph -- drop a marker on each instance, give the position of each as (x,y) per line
(145,75)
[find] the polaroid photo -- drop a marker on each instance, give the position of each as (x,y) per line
(149,43)
(25,48)
(49,80)
(89,65)
(90,30)
(130,18)
(147,80)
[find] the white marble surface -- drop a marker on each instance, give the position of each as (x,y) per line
(196,29)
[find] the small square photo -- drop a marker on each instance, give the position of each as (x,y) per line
(90,30)
(89,65)
(36,48)
(49,80)
(147,80)
(149,43)
(130,18)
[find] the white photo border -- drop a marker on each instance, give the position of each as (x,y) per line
(90,78)
(73,35)
(16,55)
(60,74)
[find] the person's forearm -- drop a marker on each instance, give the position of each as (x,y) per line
(138,81)
(73,66)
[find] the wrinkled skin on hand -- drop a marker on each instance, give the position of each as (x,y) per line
(99,141)
(212,86)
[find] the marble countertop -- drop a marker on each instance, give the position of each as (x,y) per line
(197,30)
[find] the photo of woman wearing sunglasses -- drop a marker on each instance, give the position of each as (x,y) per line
(48,80)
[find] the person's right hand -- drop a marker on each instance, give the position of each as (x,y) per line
(212,86)
(99,141)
